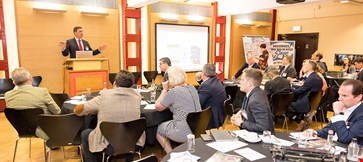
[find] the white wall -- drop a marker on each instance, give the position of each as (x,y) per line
(340,27)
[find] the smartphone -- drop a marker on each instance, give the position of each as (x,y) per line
(206,137)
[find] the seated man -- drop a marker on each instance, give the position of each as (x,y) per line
(249,64)
(120,104)
(287,70)
(348,120)
(26,96)
(358,63)
(255,114)
(276,84)
(211,93)
(313,83)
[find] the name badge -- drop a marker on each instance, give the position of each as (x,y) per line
(284,74)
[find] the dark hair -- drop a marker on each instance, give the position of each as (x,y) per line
(209,70)
(263,45)
(349,62)
(357,86)
(358,60)
(319,54)
(124,79)
(254,74)
(272,69)
(76,28)
(165,60)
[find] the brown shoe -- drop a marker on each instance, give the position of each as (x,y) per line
(300,126)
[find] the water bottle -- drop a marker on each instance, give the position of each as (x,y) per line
(104,85)
(329,139)
(353,150)
(191,142)
(152,92)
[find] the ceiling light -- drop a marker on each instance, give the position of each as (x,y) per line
(195,19)
(169,17)
(90,10)
(344,1)
(49,7)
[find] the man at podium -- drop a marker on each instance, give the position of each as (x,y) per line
(78,44)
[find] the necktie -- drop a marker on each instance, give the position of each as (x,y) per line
(244,103)
(80,45)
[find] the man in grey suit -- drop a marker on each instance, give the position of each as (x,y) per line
(78,44)
(255,114)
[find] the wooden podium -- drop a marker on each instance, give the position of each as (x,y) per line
(83,73)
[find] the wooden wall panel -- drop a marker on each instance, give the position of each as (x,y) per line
(39,34)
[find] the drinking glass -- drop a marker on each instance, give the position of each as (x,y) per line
(267,136)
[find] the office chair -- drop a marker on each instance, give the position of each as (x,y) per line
(279,105)
(6,85)
(36,81)
(150,76)
(198,121)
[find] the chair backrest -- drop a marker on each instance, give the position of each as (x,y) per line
(61,129)
(314,99)
(149,158)
(59,98)
(231,91)
(228,107)
(150,75)
(6,85)
(36,81)
(24,121)
(137,76)
(280,102)
(123,136)
(198,121)
(112,77)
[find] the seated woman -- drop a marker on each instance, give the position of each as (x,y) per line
(181,99)
(348,67)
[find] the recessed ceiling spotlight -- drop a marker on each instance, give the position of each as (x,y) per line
(344,1)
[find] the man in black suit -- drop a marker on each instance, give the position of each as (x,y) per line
(249,64)
(78,44)
(211,93)
(358,63)
(301,106)
(287,70)
(255,114)
(276,84)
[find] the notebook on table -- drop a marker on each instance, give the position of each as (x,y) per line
(221,135)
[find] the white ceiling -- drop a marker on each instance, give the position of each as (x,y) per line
(234,7)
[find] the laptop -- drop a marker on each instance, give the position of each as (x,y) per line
(221,135)
(84,54)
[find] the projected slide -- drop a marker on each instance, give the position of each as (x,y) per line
(187,46)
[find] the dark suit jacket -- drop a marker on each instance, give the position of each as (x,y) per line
(72,47)
(239,72)
(360,76)
(277,85)
(211,93)
(289,72)
(258,112)
(313,83)
(347,130)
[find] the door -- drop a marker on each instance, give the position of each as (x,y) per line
(305,45)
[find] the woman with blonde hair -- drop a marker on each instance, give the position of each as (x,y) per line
(181,99)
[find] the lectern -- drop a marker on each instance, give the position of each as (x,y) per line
(83,73)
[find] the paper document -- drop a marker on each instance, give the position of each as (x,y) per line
(77,98)
(150,107)
(276,141)
(226,146)
(300,135)
(250,154)
(183,156)
(75,102)
(143,103)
